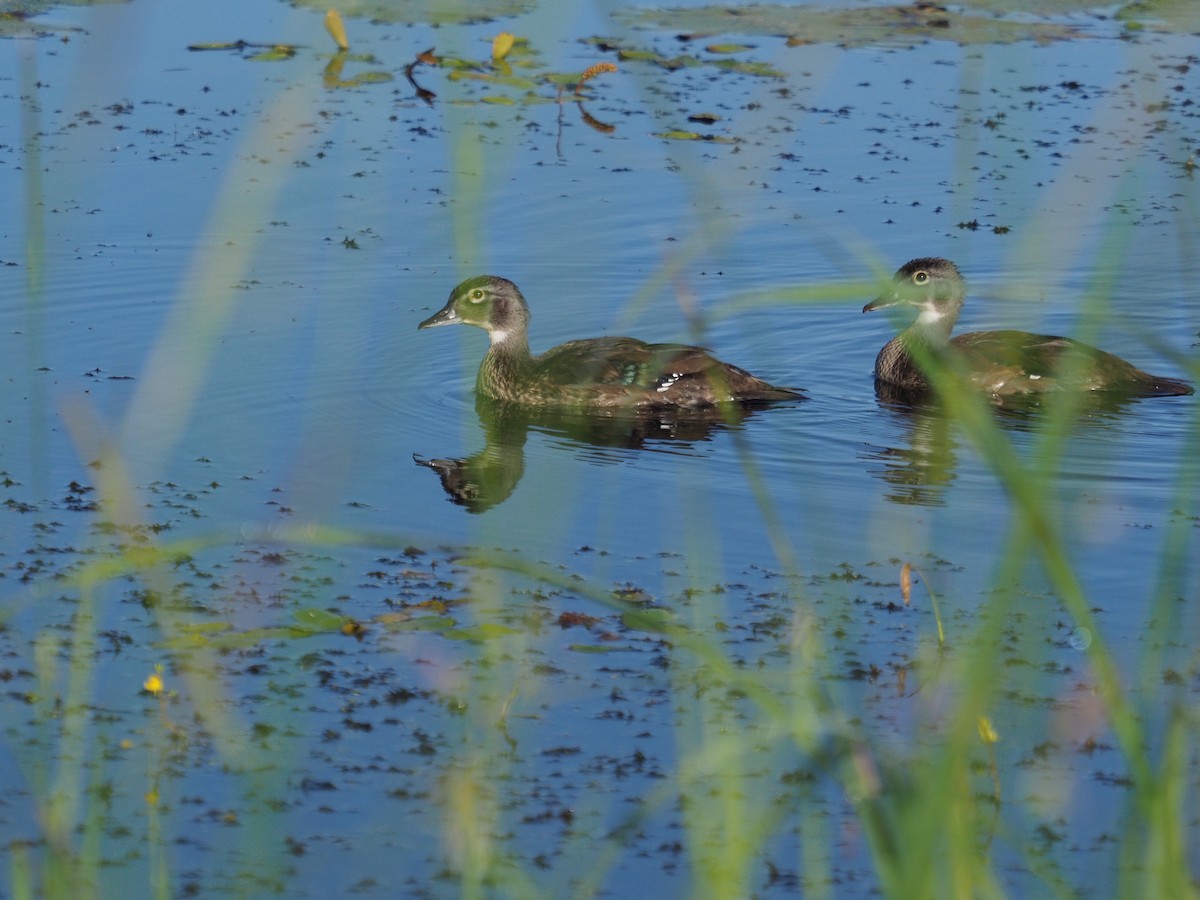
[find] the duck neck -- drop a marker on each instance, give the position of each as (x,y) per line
(505,364)
(927,336)
(932,327)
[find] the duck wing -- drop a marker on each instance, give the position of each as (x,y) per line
(1017,362)
(627,370)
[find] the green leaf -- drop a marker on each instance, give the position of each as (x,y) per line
(423,623)
(484,632)
(275,54)
(748,68)
(656,620)
(372,78)
(206,627)
(318,620)
(692,136)
(640,55)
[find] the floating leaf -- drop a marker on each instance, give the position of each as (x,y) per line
(318,620)
(692,136)
(336,29)
(476,633)
(728,48)
(222,45)
(515,81)
(206,627)
(372,78)
(856,25)
(646,619)
(450,62)
(277,53)
(748,68)
(591,648)
(230,640)
(498,99)
(422,623)
(640,55)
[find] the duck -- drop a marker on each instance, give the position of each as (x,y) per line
(613,373)
(1000,363)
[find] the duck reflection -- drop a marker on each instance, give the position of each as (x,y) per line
(488,477)
(920,471)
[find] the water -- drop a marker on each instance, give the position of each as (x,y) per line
(219,269)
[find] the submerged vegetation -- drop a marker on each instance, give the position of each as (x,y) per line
(199,702)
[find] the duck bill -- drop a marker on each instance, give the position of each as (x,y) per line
(883,301)
(444,316)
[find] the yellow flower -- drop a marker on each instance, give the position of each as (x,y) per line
(501,44)
(987,733)
(153,684)
(336,29)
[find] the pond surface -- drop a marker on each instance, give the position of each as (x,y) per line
(214,266)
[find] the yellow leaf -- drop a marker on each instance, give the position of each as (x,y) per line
(501,44)
(337,30)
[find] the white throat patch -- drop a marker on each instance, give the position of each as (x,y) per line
(929,314)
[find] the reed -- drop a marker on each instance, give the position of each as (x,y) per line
(788,752)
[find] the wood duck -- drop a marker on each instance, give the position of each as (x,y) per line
(601,373)
(1003,363)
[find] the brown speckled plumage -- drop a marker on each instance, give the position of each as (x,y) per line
(1002,363)
(606,372)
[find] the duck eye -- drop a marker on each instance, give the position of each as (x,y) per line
(476,295)
(920,277)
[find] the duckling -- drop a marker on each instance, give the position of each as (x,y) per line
(1003,363)
(600,373)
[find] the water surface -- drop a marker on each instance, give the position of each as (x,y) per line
(215,271)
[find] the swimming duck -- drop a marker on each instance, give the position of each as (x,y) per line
(605,372)
(1003,363)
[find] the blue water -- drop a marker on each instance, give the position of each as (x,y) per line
(184,314)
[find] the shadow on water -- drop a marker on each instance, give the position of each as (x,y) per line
(488,477)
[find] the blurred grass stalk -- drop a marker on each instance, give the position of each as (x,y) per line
(923,814)
(68,783)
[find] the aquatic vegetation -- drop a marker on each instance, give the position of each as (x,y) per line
(908,650)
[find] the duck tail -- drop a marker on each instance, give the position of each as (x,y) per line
(1167,387)
(772,394)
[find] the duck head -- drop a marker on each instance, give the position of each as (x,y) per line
(487,301)
(931,285)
